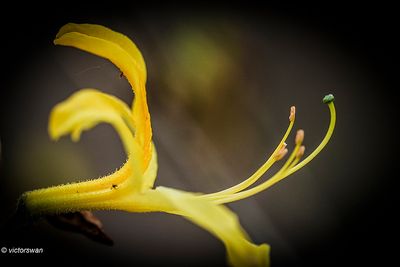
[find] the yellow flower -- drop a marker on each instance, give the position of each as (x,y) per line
(131,187)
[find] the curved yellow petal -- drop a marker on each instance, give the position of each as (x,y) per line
(105,43)
(109,35)
(222,223)
(82,111)
(88,107)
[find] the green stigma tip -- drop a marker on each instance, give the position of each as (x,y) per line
(328,99)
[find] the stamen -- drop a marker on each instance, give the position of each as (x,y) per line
(292,161)
(290,165)
(261,187)
(257,174)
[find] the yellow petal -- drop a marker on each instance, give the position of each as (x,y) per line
(220,222)
(88,107)
(124,54)
(107,34)
(150,174)
(84,110)
(216,219)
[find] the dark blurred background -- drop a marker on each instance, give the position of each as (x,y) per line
(221,79)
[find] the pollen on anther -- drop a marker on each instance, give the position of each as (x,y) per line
(281,154)
(292,113)
(300,153)
(299,137)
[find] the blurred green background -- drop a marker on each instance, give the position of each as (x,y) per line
(220,83)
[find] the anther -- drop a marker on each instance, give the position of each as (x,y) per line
(292,113)
(299,137)
(300,153)
(281,153)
